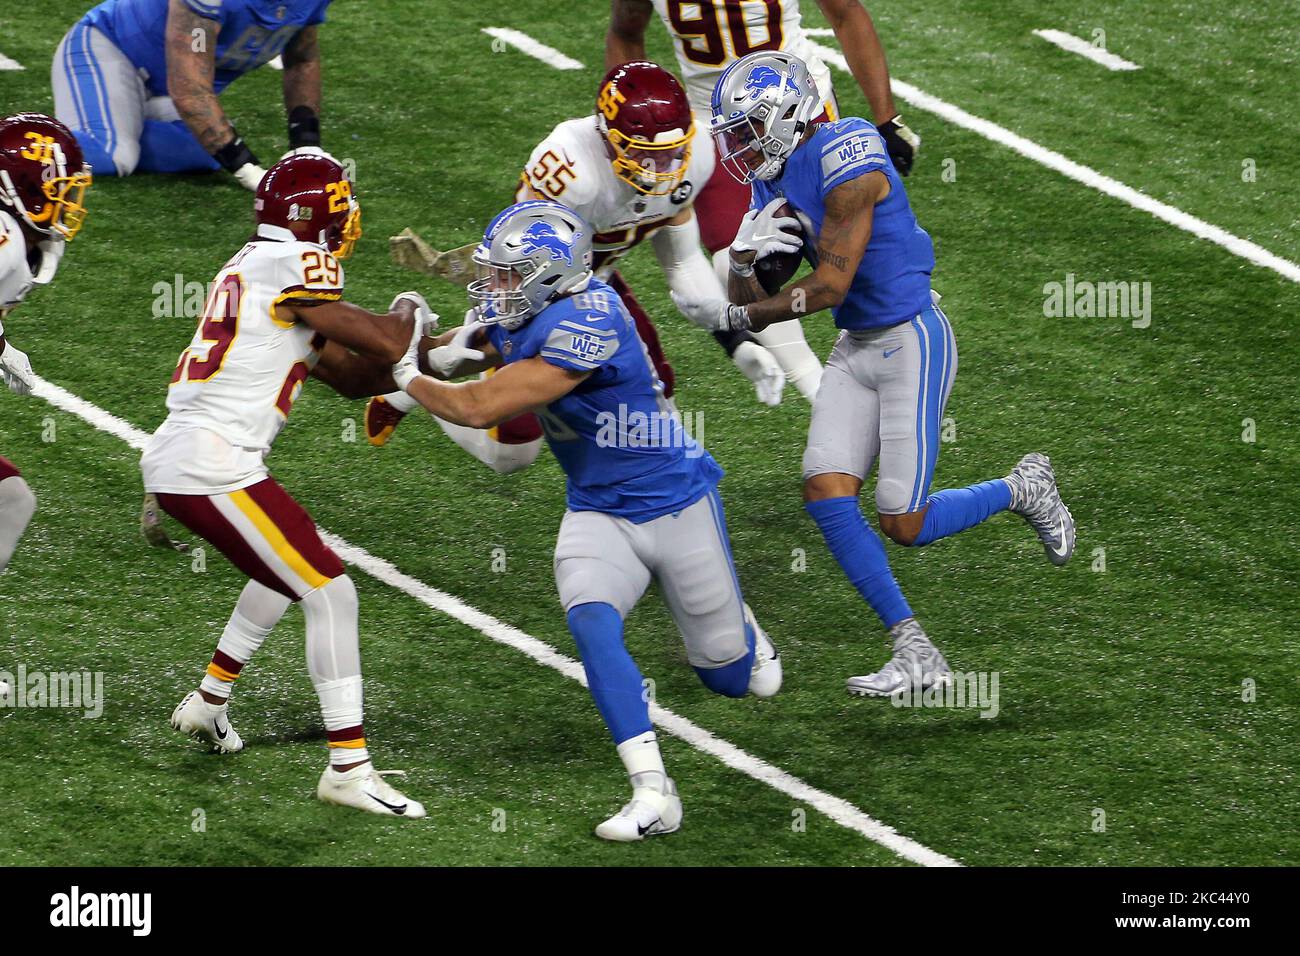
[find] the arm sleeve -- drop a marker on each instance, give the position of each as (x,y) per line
(15,277)
(851,153)
(685,267)
(583,342)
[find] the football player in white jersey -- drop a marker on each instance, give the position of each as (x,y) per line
(631,170)
(275,315)
(43,180)
(708,36)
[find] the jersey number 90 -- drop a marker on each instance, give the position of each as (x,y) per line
(701,34)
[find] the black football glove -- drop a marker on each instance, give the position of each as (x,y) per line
(901,142)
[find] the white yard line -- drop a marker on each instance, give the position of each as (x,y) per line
(1082,174)
(1072,43)
(523,42)
(833,807)
(7,64)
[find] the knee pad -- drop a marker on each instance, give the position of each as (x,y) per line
(17,499)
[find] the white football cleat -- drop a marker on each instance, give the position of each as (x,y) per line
(765,678)
(366,789)
(196,718)
(916,663)
(650,812)
(1035,497)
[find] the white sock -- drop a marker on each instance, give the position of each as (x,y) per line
(17,505)
(501,457)
(644,763)
(334,663)
(401,401)
(256,613)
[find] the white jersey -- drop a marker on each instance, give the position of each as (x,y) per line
(16,275)
(709,35)
(237,380)
(571,167)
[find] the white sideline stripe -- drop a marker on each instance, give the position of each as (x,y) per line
(1082,174)
(1072,43)
(835,808)
(523,42)
(7,64)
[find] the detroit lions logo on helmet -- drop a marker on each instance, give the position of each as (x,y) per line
(763,78)
(542,235)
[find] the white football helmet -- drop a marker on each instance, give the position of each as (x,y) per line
(532,253)
(761,106)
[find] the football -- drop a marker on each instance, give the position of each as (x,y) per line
(775,270)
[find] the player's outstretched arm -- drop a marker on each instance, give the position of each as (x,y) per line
(846,230)
(352,375)
(520,387)
(625,38)
(384,337)
(865,55)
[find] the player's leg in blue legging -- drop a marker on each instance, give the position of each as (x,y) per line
(730,680)
(612,676)
(861,555)
(170,147)
(956,509)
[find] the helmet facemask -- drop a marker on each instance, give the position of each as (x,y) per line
(744,140)
(64,211)
(346,236)
(500,291)
(651,168)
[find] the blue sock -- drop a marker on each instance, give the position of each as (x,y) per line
(731,680)
(170,147)
(957,509)
(612,675)
(861,554)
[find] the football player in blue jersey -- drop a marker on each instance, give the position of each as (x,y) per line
(138,81)
(642,494)
(831,190)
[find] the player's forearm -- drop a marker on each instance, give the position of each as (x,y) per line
(865,55)
(742,289)
(625,38)
(380,336)
(354,376)
(810,294)
(302,73)
(191,68)
(461,404)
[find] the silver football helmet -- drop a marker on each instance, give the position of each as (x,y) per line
(761,106)
(532,253)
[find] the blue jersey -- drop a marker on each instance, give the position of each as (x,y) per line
(892,284)
(252,33)
(624,451)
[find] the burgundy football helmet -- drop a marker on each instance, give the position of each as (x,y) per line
(43,175)
(311,196)
(645,118)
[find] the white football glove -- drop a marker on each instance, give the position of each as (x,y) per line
(426,320)
(446,359)
(407,368)
(762,233)
(310,151)
(250,176)
(715,315)
(762,369)
(17,370)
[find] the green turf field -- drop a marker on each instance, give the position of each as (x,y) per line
(1121,676)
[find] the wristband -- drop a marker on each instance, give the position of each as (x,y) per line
(404,374)
(738,317)
(743,269)
(235,154)
(304,127)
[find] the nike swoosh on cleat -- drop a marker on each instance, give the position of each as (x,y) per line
(396,809)
(643,830)
(221,735)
